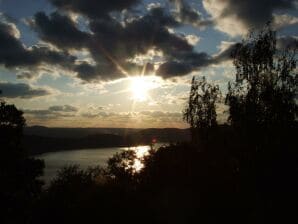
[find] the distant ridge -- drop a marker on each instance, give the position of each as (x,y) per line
(39,139)
(75,132)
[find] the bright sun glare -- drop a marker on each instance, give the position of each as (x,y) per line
(141,152)
(140,87)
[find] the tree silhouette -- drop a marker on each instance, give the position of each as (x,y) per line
(263,113)
(18,172)
(121,168)
(200,111)
(262,99)
(11,125)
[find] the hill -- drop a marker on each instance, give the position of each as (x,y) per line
(38,139)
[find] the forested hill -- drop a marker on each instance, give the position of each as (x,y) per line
(39,139)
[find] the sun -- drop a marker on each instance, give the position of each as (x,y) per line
(139,88)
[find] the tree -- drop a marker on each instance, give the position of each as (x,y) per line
(121,167)
(200,111)
(11,125)
(262,99)
(18,173)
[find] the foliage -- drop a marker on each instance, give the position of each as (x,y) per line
(18,173)
(11,125)
(200,111)
(263,97)
(121,165)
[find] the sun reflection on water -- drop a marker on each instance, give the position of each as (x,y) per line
(141,152)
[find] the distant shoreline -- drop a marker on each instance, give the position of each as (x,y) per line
(94,148)
(38,140)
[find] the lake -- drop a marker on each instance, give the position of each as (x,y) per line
(85,158)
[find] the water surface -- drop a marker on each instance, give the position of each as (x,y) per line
(84,158)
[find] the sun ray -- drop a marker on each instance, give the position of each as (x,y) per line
(110,57)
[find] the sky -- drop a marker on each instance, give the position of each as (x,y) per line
(124,63)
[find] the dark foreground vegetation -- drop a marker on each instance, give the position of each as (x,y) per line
(244,173)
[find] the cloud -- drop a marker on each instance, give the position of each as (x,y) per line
(114,41)
(155,118)
(184,63)
(120,119)
(40,113)
(188,15)
(284,20)
(53,112)
(26,75)
(237,17)
(59,29)
(64,108)
(287,42)
(93,8)
(98,113)
(21,90)
(159,114)
(111,44)
(192,39)
(13,53)
(225,51)
(173,68)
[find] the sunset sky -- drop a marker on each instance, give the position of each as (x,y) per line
(123,63)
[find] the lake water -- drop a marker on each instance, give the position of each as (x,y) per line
(84,158)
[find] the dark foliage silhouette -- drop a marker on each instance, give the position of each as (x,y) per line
(18,173)
(262,99)
(200,111)
(263,113)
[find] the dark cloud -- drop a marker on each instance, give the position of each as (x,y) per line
(171,69)
(21,90)
(64,108)
(111,43)
(186,62)
(114,42)
(236,17)
(183,64)
(94,8)
(26,75)
(87,72)
(48,114)
(40,113)
(14,53)
(53,112)
(59,29)
(255,13)
(90,115)
(136,37)
(192,58)
(106,70)
(189,15)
